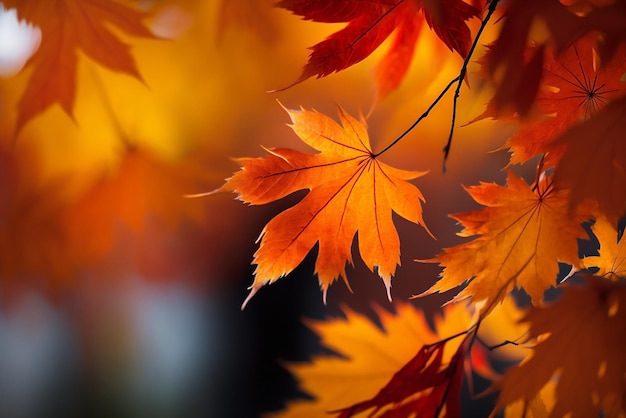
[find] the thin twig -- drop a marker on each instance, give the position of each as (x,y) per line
(459,80)
(471,329)
(502,344)
(424,115)
(461,77)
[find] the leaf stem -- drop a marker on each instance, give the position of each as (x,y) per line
(516,342)
(471,329)
(502,344)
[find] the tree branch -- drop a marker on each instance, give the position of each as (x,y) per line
(459,81)
(461,77)
(423,116)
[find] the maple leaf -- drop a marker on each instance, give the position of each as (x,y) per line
(578,84)
(370,23)
(515,75)
(575,86)
(595,173)
(67,28)
(611,261)
(424,372)
(350,191)
(581,344)
(403,362)
(522,234)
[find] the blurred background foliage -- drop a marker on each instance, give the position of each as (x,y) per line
(119,296)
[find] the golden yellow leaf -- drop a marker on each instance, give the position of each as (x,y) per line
(370,356)
(612,260)
(523,233)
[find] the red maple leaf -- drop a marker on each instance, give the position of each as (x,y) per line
(370,23)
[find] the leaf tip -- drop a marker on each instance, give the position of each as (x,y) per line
(288,86)
(282,105)
(253,290)
(290,112)
(204,194)
(428,231)
(388,288)
(426,292)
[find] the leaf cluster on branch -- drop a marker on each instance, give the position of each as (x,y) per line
(557,69)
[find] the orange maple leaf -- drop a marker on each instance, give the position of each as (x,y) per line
(350,191)
(523,232)
(611,261)
(67,28)
(578,83)
(581,343)
(517,77)
(575,86)
(370,23)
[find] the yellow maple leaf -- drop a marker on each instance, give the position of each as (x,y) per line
(370,356)
(523,232)
(611,260)
(581,346)
(350,191)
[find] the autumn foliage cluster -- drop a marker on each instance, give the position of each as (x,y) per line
(562,83)
(556,73)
